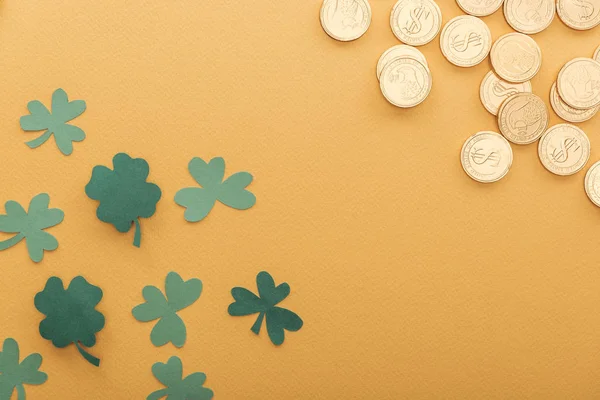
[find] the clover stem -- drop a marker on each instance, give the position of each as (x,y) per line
(11,242)
(158,394)
(137,237)
(256,327)
(39,141)
(20,392)
(90,358)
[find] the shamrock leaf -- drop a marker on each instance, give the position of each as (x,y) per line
(63,110)
(30,225)
(124,194)
(170,327)
(14,375)
(170,374)
(278,319)
(199,201)
(71,316)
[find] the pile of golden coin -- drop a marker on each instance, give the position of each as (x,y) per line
(506,91)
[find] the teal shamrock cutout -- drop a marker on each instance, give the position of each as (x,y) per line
(30,225)
(278,319)
(170,327)
(13,375)
(124,194)
(63,111)
(170,374)
(199,201)
(71,316)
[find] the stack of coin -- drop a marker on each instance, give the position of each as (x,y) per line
(404,76)
(416,22)
(345,20)
(466,41)
(579,14)
(575,96)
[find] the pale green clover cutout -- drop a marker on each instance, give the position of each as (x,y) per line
(63,111)
(231,192)
(13,375)
(170,327)
(170,374)
(30,225)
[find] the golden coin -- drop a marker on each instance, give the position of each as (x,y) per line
(494,90)
(516,57)
(399,51)
(568,113)
(405,82)
(564,149)
(529,16)
(466,41)
(579,14)
(597,54)
(523,118)
(416,22)
(479,8)
(486,157)
(345,20)
(579,83)
(592,183)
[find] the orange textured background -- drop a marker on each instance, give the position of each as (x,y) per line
(414,281)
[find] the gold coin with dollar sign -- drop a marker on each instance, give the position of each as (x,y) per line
(486,157)
(529,16)
(495,90)
(579,14)
(345,20)
(564,149)
(466,41)
(416,22)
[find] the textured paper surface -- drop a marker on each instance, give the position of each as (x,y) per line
(412,280)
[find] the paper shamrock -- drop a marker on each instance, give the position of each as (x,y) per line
(124,194)
(278,319)
(30,225)
(170,327)
(55,123)
(71,316)
(14,375)
(170,374)
(199,201)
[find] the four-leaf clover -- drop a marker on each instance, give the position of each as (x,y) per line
(278,319)
(180,294)
(124,194)
(170,374)
(13,375)
(55,123)
(231,192)
(71,316)
(30,225)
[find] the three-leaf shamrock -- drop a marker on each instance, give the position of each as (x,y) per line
(13,375)
(170,327)
(278,319)
(231,192)
(170,374)
(124,194)
(55,123)
(30,225)
(71,316)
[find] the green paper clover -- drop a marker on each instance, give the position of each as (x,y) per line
(278,319)
(14,375)
(170,327)
(30,225)
(63,111)
(199,201)
(71,316)
(171,374)
(124,194)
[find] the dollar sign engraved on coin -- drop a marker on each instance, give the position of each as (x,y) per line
(479,157)
(561,154)
(502,91)
(414,25)
(461,45)
(586,9)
